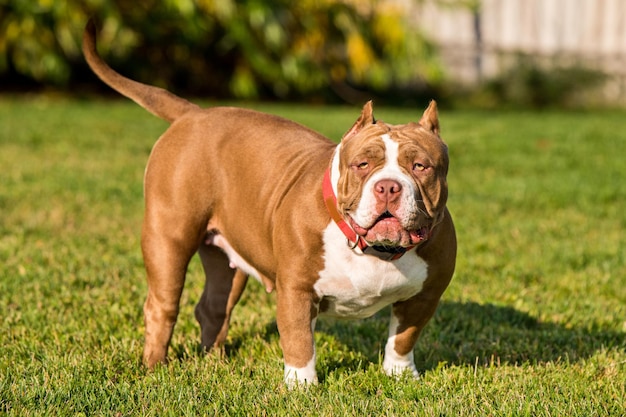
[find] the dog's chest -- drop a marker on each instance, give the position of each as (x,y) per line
(357,286)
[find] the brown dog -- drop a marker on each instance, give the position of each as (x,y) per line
(339,230)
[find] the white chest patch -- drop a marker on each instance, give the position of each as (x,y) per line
(353,285)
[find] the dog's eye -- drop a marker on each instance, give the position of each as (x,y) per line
(418,166)
(360,169)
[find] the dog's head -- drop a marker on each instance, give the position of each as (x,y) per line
(390,180)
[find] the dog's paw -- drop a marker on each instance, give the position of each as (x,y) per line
(398,365)
(300,377)
(397,370)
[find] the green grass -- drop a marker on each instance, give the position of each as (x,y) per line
(533,324)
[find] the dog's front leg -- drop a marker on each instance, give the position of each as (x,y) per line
(296,317)
(408,318)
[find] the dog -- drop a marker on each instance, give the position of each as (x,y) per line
(336,230)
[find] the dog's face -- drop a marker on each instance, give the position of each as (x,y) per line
(391,179)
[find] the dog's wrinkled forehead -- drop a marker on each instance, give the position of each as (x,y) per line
(413,140)
(367,143)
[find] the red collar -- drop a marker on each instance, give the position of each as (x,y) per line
(353,239)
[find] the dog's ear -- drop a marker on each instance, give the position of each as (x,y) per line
(366,118)
(430,118)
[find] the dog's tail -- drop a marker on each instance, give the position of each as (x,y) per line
(156,100)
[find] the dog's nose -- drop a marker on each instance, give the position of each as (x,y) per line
(387,190)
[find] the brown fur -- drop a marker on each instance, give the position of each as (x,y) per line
(217,169)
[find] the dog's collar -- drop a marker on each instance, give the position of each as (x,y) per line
(352,238)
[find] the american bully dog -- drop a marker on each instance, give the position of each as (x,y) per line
(337,230)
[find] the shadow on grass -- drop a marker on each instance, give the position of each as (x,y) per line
(459,334)
(469,334)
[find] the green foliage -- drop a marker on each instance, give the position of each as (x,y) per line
(247,48)
(528,84)
(533,323)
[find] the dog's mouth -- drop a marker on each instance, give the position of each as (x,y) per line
(387,231)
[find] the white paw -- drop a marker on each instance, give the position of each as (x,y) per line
(399,369)
(396,365)
(304,376)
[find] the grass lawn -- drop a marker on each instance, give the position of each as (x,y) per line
(533,324)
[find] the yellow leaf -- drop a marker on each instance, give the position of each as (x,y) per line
(360,55)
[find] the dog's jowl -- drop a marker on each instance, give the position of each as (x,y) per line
(339,230)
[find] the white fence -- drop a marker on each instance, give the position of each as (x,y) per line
(475,44)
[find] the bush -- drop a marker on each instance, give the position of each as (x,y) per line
(247,49)
(528,83)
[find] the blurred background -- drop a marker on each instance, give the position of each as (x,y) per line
(481,53)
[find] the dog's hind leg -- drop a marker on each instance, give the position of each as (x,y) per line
(222,290)
(167,251)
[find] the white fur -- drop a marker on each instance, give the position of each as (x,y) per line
(395,364)
(365,214)
(354,285)
(236,261)
(334,169)
(301,376)
(305,375)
